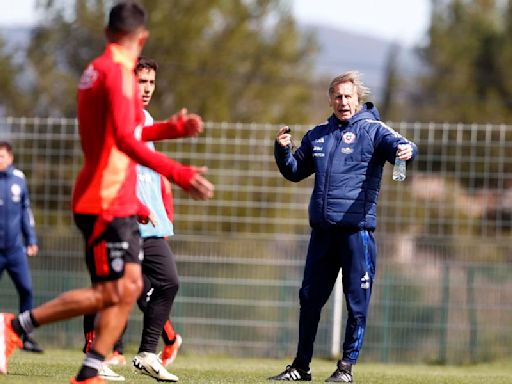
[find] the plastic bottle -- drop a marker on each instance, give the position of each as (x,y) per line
(399,170)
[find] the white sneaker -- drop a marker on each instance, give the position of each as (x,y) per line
(108,374)
(149,364)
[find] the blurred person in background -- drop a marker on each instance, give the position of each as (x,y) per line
(17,233)
(346,154)
(159,270)
(105,203)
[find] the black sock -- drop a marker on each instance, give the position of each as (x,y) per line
(16,327)
(298,364)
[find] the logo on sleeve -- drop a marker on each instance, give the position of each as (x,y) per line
(88,78)
(16,193)
(349,137)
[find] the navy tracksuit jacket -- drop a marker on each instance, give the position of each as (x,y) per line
(347,159)
(16,231)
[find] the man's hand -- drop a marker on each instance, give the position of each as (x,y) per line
(148,219)
(200,187)
(192,123)
(404,151)
(284,138)
(32,250)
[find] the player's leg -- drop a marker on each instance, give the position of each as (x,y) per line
(147,291)
(112,320)
(357,287)
(119,246)
(68,305)
(114,285)
(116,357)
(358,277)
(172,344)
(89,321)
(116,246)
(18,269)
(320,273)
(159,267)
(172,340)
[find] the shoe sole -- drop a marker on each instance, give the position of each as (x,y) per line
(116,363)
(112,378)
(144,372)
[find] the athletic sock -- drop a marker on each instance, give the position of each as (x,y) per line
(90,366)
(24,323)
(168,334)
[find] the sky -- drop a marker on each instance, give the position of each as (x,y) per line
(404,21)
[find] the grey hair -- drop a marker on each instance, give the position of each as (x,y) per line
(353,77)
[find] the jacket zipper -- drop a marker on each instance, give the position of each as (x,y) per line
(328,170)
(3,187)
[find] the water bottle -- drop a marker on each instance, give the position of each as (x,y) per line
(399,170)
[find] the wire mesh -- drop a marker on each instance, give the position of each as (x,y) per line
(444,264)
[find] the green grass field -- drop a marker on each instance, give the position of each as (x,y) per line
(58,366)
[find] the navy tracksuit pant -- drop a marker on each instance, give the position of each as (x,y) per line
(329,250)
(15,261)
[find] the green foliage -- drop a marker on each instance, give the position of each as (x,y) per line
(60,46)
(229,60)
(468,59)
(226,60)
(10,99)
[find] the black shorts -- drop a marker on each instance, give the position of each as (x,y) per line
(115,245)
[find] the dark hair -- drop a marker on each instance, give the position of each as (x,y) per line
(7,146)
(145,63)
(125,17)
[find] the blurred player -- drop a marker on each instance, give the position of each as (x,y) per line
(17,233)
(105,203)
(159,265)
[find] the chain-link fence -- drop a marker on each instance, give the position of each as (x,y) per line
(443,291)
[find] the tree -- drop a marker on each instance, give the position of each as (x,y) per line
(391,86)
(466,79)
(11,102)
(233,60)
(66,39)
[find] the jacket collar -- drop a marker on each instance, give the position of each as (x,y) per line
(7,171)
(368,111)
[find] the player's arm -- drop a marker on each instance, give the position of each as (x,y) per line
(181,124)
(121,92)
(294,166)
(391,144)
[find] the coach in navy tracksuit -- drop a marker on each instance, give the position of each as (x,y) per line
(17,234)
(347,154)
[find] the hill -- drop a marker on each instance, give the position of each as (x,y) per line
(341,50)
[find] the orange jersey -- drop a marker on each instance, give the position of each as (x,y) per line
(110,118)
